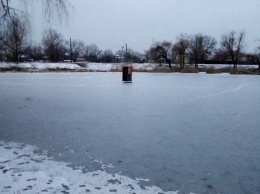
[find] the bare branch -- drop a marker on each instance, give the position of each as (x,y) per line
(233,45)
(51,9)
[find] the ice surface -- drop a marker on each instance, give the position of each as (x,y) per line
(192,133)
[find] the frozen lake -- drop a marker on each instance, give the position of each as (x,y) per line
(188,132)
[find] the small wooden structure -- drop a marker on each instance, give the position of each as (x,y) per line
(127,74)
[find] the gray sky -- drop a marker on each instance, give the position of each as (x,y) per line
(112,23)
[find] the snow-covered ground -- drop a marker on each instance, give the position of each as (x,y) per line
(36,66)
(40,66)
(25,169)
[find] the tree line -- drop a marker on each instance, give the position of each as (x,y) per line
(200,48)
(193,49)
(15,45)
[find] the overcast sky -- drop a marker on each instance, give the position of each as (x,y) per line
(112,23)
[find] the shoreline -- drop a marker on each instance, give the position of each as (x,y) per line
(144,68)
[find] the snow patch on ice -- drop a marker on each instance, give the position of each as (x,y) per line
(25,169)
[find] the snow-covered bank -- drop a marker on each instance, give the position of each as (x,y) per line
(25,169)
(118,66)
(40,66)
(95,67)
(71,66)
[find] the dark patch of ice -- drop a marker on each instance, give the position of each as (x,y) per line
(114,181)
(33,179)
(112,190)
(131,187)
(8,147)
(28,188)
(23,163)
(65,187)
(24,155)
(4,162)
(5,171)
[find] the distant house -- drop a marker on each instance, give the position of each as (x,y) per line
(119,59)
(176,59)
(25,58)
(79,60)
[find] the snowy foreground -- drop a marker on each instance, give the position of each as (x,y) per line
(36,66)
(25,169)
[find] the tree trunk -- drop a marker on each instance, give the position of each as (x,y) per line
(169,63)
(196,62)
(183,60)
(16,55)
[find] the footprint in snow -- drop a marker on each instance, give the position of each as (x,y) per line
(65,187)
(112,190)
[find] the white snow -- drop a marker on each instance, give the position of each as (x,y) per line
(144,66)
(40,66)
(219,66)
(22,170)
(101,66)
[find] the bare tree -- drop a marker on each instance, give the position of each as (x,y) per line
(107,56)
(51,8)
(233,44)
(34,52)
(14,38)
(92,52)
(257,54)
(180,49)
(133,56)
(54,8)
(162,51)
(200,47)
(53,45)
(221,55)
(76,49)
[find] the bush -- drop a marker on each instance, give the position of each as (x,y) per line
(212,70)
(240,71)
(12,68)
(161,69)
(189,70)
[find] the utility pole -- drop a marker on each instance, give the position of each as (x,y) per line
(125,52)
(70,52)
(122,54)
